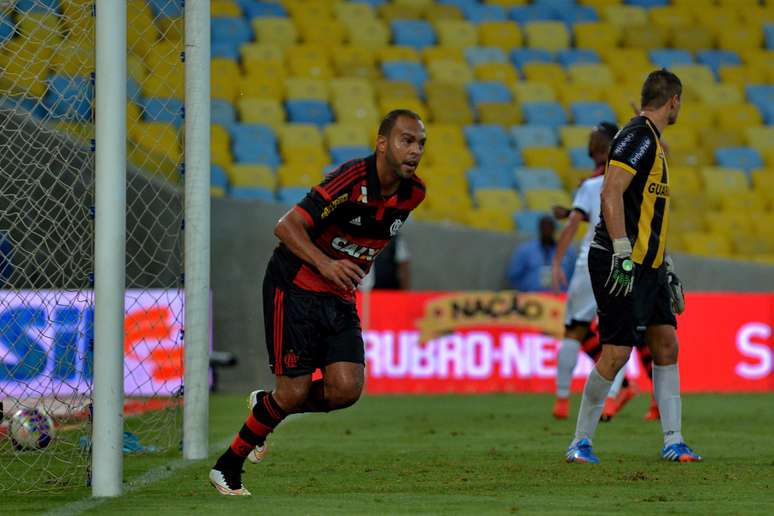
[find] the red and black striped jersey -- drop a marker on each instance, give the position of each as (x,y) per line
(348,219)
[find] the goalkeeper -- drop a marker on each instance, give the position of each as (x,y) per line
(629,275)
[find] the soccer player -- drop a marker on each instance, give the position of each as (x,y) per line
(581,307)
(328,242)
(628,272)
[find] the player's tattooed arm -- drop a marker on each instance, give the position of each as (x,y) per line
(292,230)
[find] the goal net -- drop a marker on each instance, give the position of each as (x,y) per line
(47,145)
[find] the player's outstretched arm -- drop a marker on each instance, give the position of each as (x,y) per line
(292,230)
(558,277)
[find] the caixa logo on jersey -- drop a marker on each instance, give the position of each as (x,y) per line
(358,251)
(47,342)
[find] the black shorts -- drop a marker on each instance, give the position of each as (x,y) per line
(306,330)
(623,320)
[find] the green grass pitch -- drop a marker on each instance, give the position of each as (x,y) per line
(497,454)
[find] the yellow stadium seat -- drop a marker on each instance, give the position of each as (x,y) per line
(394,89)
(502,72)
(261,53)
(316,158)
(447,135)
(696,115)
(309,61)
(257,176)
(217,191)
(505,35)
(398,53)
(171,28)
(298,175)
(357,112)
(261,86)
(684,202)
(742,75)
(438,90)
(299,135)
(506,114)
(165,55)
(329,33)
(224,74)
(684,221)
(672,17)
(623,60)
(695,157)
(275,31)
(498,199)
(351,88)
(693,76)
(548,73)
(420,4)
(738,117)
(597,35)
(430,54)
(720,181)
(387,104)
(574,136)
(548,35)
(443,12)
(533,91)
(742,202)
(682,136)
(706,244)
(165,81)
(456,33)
(141,31)
(305,9)
(759,137)
(719,94)
(450,112)
(261,111)
(306,88)
(692,39)
(452,72)
(685,180)
(456,156)
(490,220)
(740,37)
(543,200)
(713,138)
(225,8)
(42,27)
(645,37)
(390,12)
(350,11)
(713,18)
(371,34)
(341,135)
(591,73)
(157,138)
(351,61)
(546,157)
(73,59)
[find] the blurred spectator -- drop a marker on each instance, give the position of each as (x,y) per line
(530,266)
(391,270)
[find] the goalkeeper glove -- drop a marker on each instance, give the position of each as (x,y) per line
(676,290)
(620,281)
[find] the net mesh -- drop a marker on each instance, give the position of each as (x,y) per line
(47,51)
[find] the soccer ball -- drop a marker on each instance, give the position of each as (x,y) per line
(31,429)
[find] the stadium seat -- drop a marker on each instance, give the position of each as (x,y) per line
(326,32)
(571,93)
(456,33)
(625,16)
(548,73)
(394,11)
(596,35)
(544,200)
(306,88)
(316,112)
(345,153)
(158,109)
(436,53)
(498,199)
(368,34)
(502,72)
(743,158)
(218,177)
(360,112)
(341,135)
(502,156)
(156,138)
(501,113)
(255,176)
(486,135)
(574,136)
(548,35)
(742,74)
(579,158)
(723,181)
(403,89)
(298,175)
(527,221)
(685,180)
(291,195)
(490,91)
(573,56)
(398,53)
(532,91)
(387,104)
(489,178)
(718,95)
(69,98)
(717,58)
(544,113)
(739,38)
(502,34)
(413,33)
(523,56)
(266,111)
(479,13)
(554,158)
(591,113)
(351,11)
(713,138)
(706,244)
(536,179)
(527,136)
(275,30)
(407,71)
(667,58)
(230,30)
(480,55)
(759,138)
(450,72)
(533,13)
(443,12)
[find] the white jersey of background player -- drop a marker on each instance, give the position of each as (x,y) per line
(581,306)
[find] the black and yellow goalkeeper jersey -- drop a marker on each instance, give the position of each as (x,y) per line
(637,149)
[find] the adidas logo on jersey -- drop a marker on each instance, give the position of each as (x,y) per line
(356,221)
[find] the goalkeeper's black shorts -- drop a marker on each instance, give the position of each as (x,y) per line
(623,320)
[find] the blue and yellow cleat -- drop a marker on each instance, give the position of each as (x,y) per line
(582,453)
(680,452)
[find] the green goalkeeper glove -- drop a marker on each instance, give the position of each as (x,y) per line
(620,281)
(676,290)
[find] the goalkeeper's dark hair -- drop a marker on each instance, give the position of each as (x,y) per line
(388,122)
(658,88)
(607,129)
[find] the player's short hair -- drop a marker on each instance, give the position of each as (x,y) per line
(385,127)
(608,129)
(659,87)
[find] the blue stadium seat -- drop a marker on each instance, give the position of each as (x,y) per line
(6,28)
(161,109)
(460,4)
(37,6)
(479,55)
(648,3)
(291,195)
(222,112)
(252,192)
(218,177)
(316,112)
(577,14)
(372,3)
(227,49)
(487,91)
(527,221)
(527,136)
(133,90)
(667,57)
(254,9)
(478,13)
(230,29)
(486,134)
(489,177)
(579,157)
(530,13)
(573,56)
(744,158)
(406,71)
(496,156)
(256,134)
(69,98)
(544,113)
(717,58)
(413,33)
(762,97)
(768,31)
(166,8)
(556,4)
(341,154)
(592,113)
(528,178)
(255,153)
(522,56)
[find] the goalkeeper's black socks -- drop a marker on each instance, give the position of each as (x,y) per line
(265,417)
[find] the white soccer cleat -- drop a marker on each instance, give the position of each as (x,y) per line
(228,483)
(259,452)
